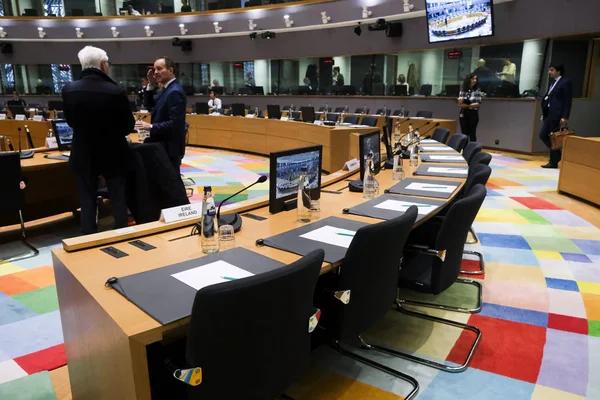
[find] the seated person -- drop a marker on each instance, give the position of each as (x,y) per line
(402,81)
(132,11)
(214,102)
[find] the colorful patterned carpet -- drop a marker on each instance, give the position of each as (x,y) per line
(540,318)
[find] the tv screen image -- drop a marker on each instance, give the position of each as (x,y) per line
(459,19)
(289,169)
(63,133)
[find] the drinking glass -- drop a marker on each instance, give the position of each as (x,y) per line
(315,210)
(226,237)
(398,169)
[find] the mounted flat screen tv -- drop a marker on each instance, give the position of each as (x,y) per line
(449,20)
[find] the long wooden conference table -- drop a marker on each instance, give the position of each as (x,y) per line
(51,186)
(106,335)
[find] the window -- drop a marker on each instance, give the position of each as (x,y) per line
(7,81)
(61,74)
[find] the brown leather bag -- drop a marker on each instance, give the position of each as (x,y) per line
(557,139)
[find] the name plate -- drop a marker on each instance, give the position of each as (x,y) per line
(250,115)
(180,213)
(51,142)
(283,118)
(20,117)
(38,118)
(2,116)
(317,122)
(351,165)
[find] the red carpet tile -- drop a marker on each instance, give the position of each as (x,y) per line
(47,359)
(568,324)
(471,265)
(536,203)
(507,348)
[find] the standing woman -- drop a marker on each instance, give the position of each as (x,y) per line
(469,101)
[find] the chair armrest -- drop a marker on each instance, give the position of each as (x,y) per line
(441,254)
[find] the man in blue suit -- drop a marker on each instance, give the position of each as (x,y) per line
(556,109)
(168,112)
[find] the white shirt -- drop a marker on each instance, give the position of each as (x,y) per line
(135,12)
(552,88)
(150,87)
(216,103)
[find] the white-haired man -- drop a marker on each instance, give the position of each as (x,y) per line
(98,110)
(485,76)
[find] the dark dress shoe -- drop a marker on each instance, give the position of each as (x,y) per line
(550,166)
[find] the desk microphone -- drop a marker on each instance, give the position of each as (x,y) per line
(234,219)
(23,154)
(428,130)
(426,123)
(29,140)
(10,146)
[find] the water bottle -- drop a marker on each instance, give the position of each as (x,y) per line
(409,136)
(384,110)
(326,107)
(414,156)
(365,109)
(255,112)
(209,224)
(346,108)
(370,184)
(417,139)
(303,199)
(398,168)
(402,111)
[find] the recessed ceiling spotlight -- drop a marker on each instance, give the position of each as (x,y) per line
(288,22)
(366,13)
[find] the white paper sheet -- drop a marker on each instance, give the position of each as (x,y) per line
(331,235)
(438,148)
(211,274)
(461,171)
(397,205)
(431,187)
(429,141)
(447,158)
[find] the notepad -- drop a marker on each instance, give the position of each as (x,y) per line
(211,274)
(331,235)
(438,148)
(403,206)
(431,187)
(461,171)
(429,141)
(447,158)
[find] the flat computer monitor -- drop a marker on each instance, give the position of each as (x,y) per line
(238,109)
(202,108)
(17,110)
(369,147)
(168,10)
(400,90)
(217,89)
(273,111)
(348,90)
(77,12)
(15,103)
(30,12)
(63,134)
(285,169)
(55,105)
(257,90)
(308,114)
(452,90)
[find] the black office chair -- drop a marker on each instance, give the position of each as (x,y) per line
(470,150)
(361,110)
(295,115)
(13,199)
(424,114)
(188,182)
(371,121)
(481,158)
(340,109)
(399,113)
(425,90)
(432,261)
(365,288)
(441,135)
(261,322)
(324,109)
(285,108)
(458,141)
(380,112)
(332,117)
(351,119)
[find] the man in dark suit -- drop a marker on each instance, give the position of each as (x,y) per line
(556,109)
(168,112)
(98,111)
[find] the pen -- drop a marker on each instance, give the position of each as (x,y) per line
(228,278)
(345,234)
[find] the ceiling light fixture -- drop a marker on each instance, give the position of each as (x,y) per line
(251,24)
(253,36)
(182,29)
(2,33)
(218,28)
(324,17)
(148,31)
(358,30)
(79,33)
(407,6)
(114,31)
(41,32)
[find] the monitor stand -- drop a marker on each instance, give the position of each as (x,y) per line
(356,185)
